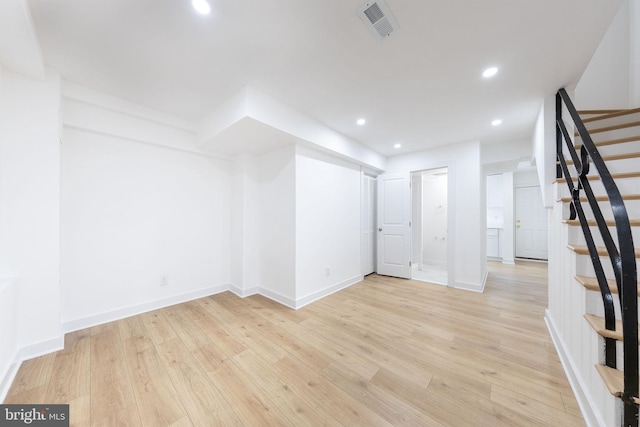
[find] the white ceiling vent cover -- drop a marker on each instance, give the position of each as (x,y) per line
(378,18)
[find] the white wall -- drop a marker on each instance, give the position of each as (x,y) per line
(605,82)
(544,148)
(245,225)
(467,238)
(139,205)
(30,209)
(327,225)
(278,225)
(634,54)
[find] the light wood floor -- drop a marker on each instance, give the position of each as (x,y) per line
(383,352)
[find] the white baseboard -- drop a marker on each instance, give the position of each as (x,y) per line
(26,353)
(279,298)
(242,293)
(509,261)
(301,302)
(474,287)
(121,313)
(8,377)
(591,416)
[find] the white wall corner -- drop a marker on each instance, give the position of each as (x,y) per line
(40,349)
(578,384)
(223,117)
(8,376)
(315,296)
(277,297)
(474,287)
(20,50)
(244,292)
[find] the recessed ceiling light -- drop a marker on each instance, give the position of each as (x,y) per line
(361,122)
(490,72)
(201,6)
(397,145)
(496,122)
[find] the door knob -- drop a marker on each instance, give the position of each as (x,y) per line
(380,229)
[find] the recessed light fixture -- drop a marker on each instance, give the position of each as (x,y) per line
(490,72)
(496,122)
(398,145)
(361,122)
(201,6)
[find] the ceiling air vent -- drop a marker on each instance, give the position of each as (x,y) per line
(378,19)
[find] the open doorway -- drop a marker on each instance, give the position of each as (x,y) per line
(429,238)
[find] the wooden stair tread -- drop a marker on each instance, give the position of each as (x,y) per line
(602,251)
(591,284)
(612,127)
(611,141)
(614,380)
(597,323)
(602,198)
(610,158)
(603,111)
(610,114)
(622,175)
(592,222)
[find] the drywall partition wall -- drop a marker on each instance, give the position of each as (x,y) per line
(245,226)
(277,201)
(605,82)
(327,225)
(30,207)
(544,148)
(8,334)
(507,241)
(634,54)
(145,218)
(465,252)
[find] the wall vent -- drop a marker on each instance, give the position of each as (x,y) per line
(378,18)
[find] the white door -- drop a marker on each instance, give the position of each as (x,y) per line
(394,233)
(531,224)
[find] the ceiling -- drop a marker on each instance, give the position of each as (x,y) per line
(421,87)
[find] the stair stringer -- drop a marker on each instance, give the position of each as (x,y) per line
(578,346)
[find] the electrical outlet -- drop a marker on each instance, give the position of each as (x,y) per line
(165,281)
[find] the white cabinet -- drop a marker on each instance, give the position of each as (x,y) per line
(493,243)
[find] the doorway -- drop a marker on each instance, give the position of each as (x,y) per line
(429,211)
(531,224)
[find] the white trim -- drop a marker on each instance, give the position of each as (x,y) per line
(286,301)
(41,348)
(142,141)
(591,416)
(509,261)
(121,313)
(243,293)
(75,92)
(9,376)
(327,291)
(474,287)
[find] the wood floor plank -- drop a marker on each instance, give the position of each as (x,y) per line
(158,402)
(204,402)
(382,352)
(112,398)
(71,377)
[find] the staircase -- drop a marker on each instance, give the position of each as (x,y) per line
(599,236)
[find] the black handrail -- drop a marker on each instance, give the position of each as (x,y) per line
(622,256)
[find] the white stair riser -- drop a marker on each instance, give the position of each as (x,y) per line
(627,118)
(577,237)
(613,134)
(585,268)
(625,186)
(632,206)
(605,150)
